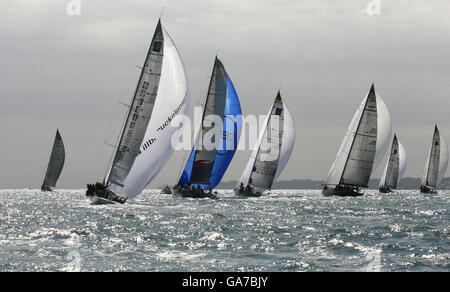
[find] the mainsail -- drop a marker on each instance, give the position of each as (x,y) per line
(437,161)
(56,162)
(443,161)
(160,100)
(395,165)
(271,154)
(364,144)
(207,164)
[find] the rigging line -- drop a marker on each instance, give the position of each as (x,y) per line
(111,122)
(181,166)
(193,140)
(124,104)
(124,123)
(110,129)
(200,102)
(108,144)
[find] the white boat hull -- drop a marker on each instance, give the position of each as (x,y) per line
(95,200)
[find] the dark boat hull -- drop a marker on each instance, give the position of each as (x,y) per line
(427,190)
(341,192)
(247,194)
(385,190)
(192,194)
(46,189)
(166,190)
(99,193)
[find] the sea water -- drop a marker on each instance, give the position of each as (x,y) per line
(286,230)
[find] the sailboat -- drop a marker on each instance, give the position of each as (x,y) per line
(362,148)
(55,164)
(272,152)
(206,166)
(436,164)
(160,100)
(395,167)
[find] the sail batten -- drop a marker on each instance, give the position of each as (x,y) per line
(56,162)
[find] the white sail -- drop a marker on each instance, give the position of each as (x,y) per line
(443,161)
(357,156)
(395,165)
(170,104)
(390,172)
(262,172)
(384,129)
(402,161)
(288,141)
(423,181)
(248,168)
(337,168)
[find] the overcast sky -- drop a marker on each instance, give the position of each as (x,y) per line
(70,72)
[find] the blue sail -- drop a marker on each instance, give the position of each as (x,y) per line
(232,126)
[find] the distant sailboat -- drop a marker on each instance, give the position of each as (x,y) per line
(55,164)
(436,164)
(161,97)
(207,165)
(166,190)
(395,167)
(363,147)
(271,154)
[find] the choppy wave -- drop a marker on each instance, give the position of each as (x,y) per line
(288,230)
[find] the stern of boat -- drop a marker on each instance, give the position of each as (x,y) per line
(98,193)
